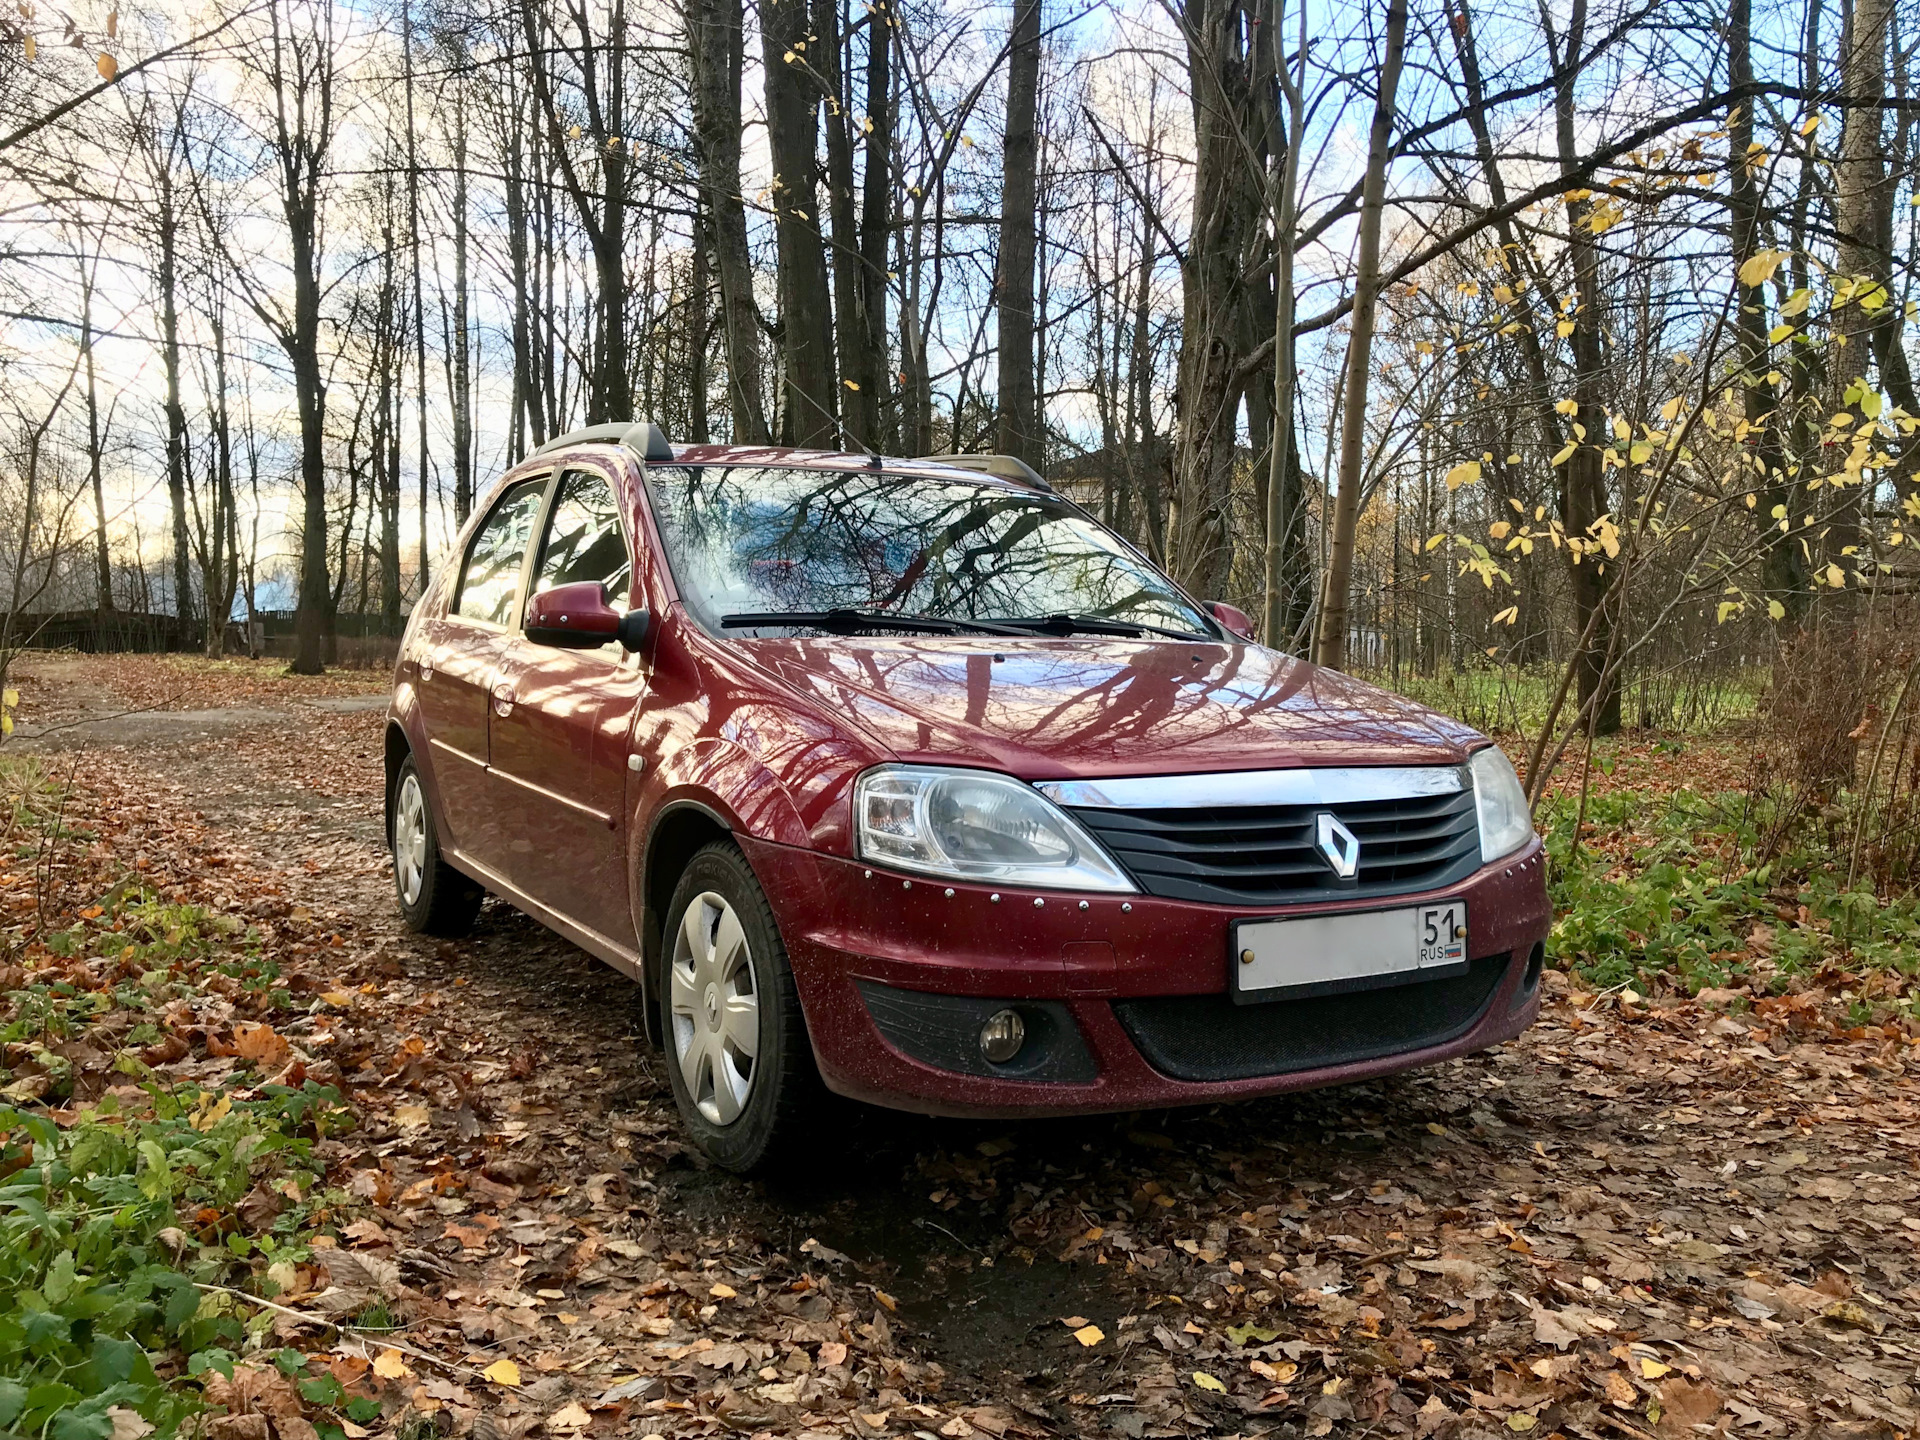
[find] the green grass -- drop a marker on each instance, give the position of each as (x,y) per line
(1668,886)
(1502,700)
(112,1223)
(125,1250)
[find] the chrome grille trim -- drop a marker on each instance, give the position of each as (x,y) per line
(1242,788)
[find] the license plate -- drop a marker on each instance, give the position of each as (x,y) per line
(1359,950)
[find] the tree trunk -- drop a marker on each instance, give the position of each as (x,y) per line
(419,314)
(168,221)
(1288,577)
(1330,645)
(222,572)
(1860,185)
(859,368)
(96,441)
(875,215)
(1583,485)
(1226,206)
(1018,431)
(809,412)
(462,358)
(715,40)
(1783,576)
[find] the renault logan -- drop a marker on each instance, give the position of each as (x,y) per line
(912,779)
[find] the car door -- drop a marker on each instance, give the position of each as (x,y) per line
(560,725)
(460,653)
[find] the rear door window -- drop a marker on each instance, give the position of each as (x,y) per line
(491,576)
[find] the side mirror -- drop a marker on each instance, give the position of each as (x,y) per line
(578,617)
(1233,617)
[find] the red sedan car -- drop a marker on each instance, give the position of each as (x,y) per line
(910,778)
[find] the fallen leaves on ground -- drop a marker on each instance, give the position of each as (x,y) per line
(1639,1219)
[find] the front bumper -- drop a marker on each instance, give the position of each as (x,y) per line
(1070,957)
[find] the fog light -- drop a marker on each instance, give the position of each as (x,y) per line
(1002,1036)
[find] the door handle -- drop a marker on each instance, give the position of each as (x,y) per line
(503,698)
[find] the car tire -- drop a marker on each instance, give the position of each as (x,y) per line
(726,987)
(435,898)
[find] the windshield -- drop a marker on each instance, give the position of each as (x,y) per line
(751,540)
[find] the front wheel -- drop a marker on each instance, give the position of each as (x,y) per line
(435,898)
(738,1056)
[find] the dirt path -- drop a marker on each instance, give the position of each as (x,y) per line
(1632,1221)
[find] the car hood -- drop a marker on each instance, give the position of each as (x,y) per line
(1051,709)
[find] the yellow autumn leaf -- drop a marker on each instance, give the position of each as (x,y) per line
(1812,124)
(1566,407)
(1797,302)
(851,385)
(1089,1335)
(502,1372)
(1499,529)
(1653,1369)
(1507,616)
(389,1366)
(1775,610)
(1566,454)
(1522,1422)
(723,1292)
(1465,473)
(573,132)
(1836,577)
(1207,1382)
(1564,329)
(113,24)
(412,1117)
(107,66)
(1758,268)
(32,48)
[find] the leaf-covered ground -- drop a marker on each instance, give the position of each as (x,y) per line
(1653,1217)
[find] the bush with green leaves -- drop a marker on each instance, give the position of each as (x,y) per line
(116,1229)
(1685,896)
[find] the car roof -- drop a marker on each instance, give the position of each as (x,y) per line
(793,457)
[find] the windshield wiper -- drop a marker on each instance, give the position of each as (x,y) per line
(1097,625)
(851,620)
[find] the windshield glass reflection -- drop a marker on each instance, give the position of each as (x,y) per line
(748,539)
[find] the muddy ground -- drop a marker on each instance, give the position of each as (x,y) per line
(1635,1220)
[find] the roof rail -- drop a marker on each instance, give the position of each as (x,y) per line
(1003,467)
(645,436)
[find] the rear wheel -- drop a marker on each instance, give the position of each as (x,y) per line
(435,898)
(738,1056)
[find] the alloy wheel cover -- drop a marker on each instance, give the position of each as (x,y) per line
(410,840)
(715,1008)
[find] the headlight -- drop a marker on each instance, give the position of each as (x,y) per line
(1506,822)
(974,825)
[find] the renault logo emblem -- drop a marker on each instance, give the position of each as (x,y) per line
(1339,845)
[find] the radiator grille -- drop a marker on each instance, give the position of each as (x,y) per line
(1208,1037)
(1265,854)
